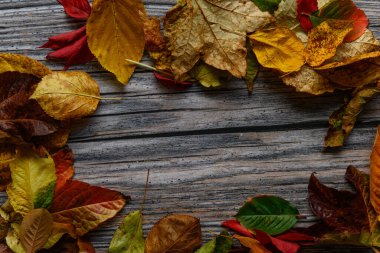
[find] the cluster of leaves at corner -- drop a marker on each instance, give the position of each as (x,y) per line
(46,209)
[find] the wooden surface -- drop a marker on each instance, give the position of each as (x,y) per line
(208,150)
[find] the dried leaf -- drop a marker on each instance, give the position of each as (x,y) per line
(67,95)
(7,155)
(343,210)
(174,233)
(304,9)
(342,121)
(267,5)
(207,75)
(214,31)
(253,244)
(85,206)
(79,9)
(278,48)
(36,228)
(129,238)
(115,33)
(33,181)
(23,65)
(270,214)
(324,41)
(375,173)
(343,10)
(64,170)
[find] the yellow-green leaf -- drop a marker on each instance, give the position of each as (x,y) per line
(33,181)
(67,95)
(13,239)
(115,33)
(207,75)
(278,48)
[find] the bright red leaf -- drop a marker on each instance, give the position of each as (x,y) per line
(171,83)
(237,227)
(281,245)
(64,161)
(79,9)
(304,9)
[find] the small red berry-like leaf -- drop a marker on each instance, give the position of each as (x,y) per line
(79,9)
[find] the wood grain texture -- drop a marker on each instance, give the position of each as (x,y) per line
(208,150)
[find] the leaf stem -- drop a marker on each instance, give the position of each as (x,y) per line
(145,190)
(147,66)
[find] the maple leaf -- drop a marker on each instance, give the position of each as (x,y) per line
(211,30)
(72,46)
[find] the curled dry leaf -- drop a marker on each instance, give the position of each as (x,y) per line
(174,233)
(129,238)
(115,33)
(67,95)
(375,173)
(251,243)
(342,121)
(270,214)
(214,31)
(85,206)
(35,230)
(33,181)
(324,40)
(278,48)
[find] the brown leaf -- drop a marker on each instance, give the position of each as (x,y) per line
(375,173)
(64,166)
(36,229)
(212,30)
(174,233)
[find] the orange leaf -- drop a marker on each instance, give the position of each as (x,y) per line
(375,174)
(85,206)
(253,244)
(64,170)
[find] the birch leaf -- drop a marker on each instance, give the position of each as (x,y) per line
(214,31)
(324,41)
(115,33)
(343,120)
(67,95)
(278,48)
(33,181)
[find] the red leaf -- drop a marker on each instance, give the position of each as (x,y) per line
(237,227)
(304,9)
(85,206)
(64,161)
(85,246)
(71,46)
(79,9)
(294,236)
(281,245)
(171,83)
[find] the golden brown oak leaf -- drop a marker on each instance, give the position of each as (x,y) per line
(214,31)
(174,233)
(324,40)
(278,48)
(115,33)
(67,95)
(375,174)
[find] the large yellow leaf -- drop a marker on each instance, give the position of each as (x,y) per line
(115,33)
(22,64)
(67,95)
(278,48)
(214,31)
(33,181)
(375,174)
(324,40)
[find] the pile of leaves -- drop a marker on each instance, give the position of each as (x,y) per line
(316,46)
(46,208)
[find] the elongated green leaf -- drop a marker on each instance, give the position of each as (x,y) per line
(270,214)
(267,5)
(129,237)
(33,181)
(208,247)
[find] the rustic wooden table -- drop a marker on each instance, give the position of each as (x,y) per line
(208,150)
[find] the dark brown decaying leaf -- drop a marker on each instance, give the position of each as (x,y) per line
(342,210)
(342,121)
(36,229)
(173,234)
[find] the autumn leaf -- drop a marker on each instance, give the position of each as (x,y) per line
(375,173)
(67,95)
(342,121)
(174,233)
(304,9)
(237,227)
(344,211)
(85,206)
(79,9)
(22,65)
(214,31)
(267,5)
(280,244)
(64,170)
(251,243)
(35,230)
(115,33)
(33,181)
(253,68)
(278,48)
(13,239)
(207,75)
(270,214)
(324,40)
(85,246)
(171,83)
(221,244)
(7,155)
(129,238)
(343,10)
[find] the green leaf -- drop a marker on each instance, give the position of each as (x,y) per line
(207,75)
(221,244)
(33,181)
(208,247)
(129,238)
(267,5)
(270,214)
(252,68)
